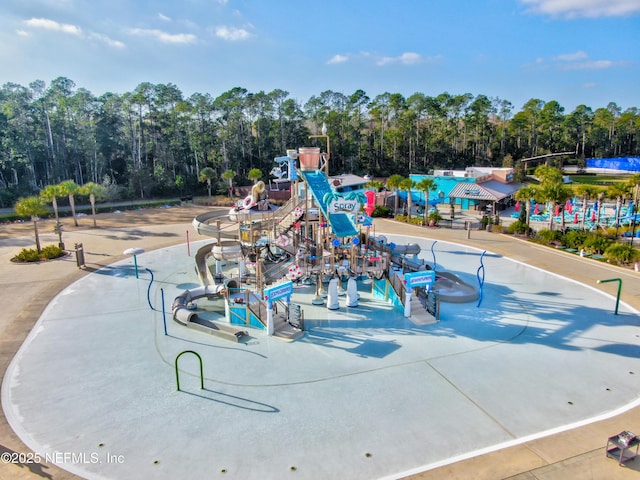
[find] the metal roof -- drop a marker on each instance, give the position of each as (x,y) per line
(491,190)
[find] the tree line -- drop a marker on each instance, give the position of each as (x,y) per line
(155,142)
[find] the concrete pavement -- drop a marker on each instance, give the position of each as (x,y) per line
(579,451)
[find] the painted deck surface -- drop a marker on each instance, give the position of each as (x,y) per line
(364,394)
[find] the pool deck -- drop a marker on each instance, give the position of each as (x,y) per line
(316,399)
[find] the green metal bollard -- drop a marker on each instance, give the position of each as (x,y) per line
(619,280)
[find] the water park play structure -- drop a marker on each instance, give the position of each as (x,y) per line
(320,238)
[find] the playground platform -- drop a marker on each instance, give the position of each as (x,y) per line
(357,398)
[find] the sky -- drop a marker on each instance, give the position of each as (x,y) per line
(571,51)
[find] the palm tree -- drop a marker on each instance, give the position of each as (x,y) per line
(407,185)
(255,174)
(70,188)
(93,190)
(228,175)
(634,182)
(33,207)
(558,194)
(393,182)
(526,195)
(587,192)
(601,195)
(619,191)
(375,185)
(425,185)
(50,193)
(206,175)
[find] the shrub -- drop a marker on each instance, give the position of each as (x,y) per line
(547,237)
(412,220)
(595,243)
(28,255)
(31,254)
(52,251)
(520,228)
(622,254)
(574,239)
(381,211)
(435,217)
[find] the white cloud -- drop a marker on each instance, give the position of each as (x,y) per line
(232,34)
(106,40)
(584,8)
(591,65)
(338,59)
(163,37)
(47,24)
(407,58)
(52,25)
(574,61)
(163,17)
(571,57)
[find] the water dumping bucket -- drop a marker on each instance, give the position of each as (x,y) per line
(309,158)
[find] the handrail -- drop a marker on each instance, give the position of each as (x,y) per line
(259,309)
(398,287)
(284,223)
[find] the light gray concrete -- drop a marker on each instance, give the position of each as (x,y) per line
(365,394)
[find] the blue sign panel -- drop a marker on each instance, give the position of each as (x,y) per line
(277,292)
(419,279)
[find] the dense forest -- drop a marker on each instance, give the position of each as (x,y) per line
(153,142)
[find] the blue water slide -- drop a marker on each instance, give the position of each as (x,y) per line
(341,223)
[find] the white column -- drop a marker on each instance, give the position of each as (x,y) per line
(287,303)
(407,302)
(270,325)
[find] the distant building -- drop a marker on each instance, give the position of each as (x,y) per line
(347,182)
(475,188)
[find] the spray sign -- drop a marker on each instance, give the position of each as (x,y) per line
(277,292)
(419,279)
(340,205)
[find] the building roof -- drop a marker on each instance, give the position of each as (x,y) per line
(491,190)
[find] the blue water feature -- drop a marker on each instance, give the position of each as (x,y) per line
(341,223)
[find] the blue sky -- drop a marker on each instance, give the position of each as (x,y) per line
(572,51)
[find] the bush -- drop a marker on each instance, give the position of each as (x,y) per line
(28,255)
(31,254)
(574,239)
(435,217)
(381,211)
(596,244)
(412,220)
(621,254)
(521,228)
(51,251)
(547,237)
